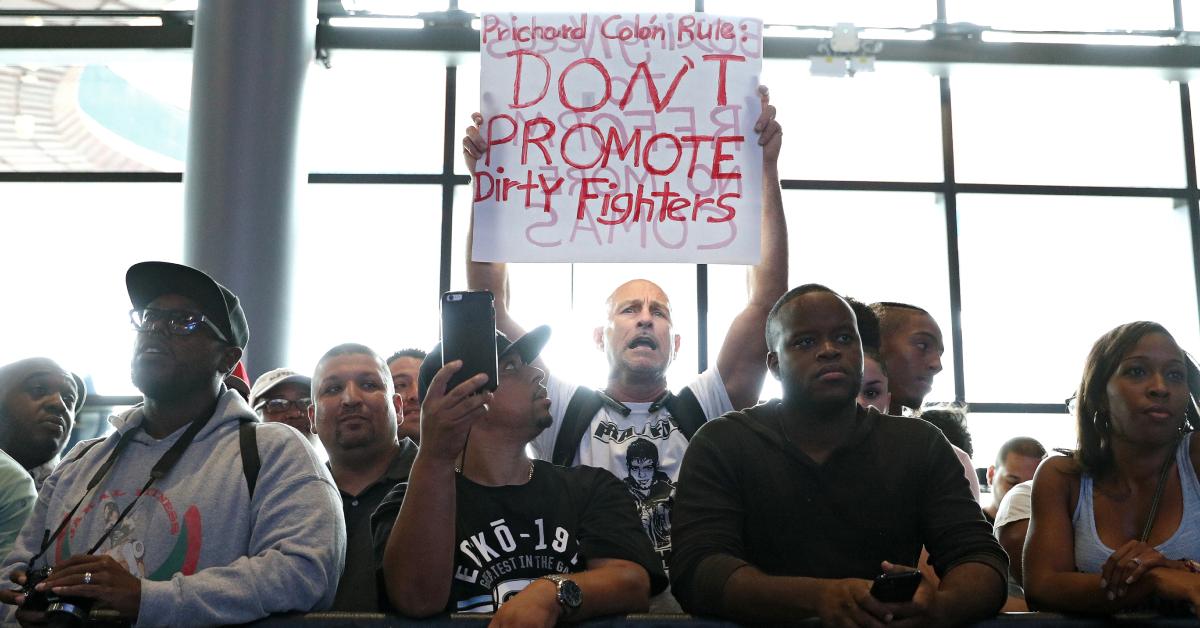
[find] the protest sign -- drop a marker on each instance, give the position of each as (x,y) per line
(619,138)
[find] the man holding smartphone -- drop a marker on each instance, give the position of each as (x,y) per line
(480,528)
(789,509)
(639,343)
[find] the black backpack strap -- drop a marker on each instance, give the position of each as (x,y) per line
(580,410)
(248,441)
(686,412)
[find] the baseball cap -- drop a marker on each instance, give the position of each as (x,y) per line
(147,281)
(528,347)
(271,379)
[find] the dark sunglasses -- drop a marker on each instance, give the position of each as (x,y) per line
(176,322)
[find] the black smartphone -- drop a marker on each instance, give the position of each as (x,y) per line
(896,587)
(469,334)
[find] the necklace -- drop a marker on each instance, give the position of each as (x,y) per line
(1158,492)
(458,470)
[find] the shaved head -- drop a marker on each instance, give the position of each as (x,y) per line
(634,286)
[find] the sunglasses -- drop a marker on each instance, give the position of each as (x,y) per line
(176,322)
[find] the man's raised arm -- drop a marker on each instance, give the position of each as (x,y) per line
(742,359)
(491,276)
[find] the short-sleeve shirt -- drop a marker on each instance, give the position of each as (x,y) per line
(357,590)
(609,437)
(1016,505)
(508,536)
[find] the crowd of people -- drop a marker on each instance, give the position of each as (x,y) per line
(543,501)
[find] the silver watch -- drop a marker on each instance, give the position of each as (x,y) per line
(570,596)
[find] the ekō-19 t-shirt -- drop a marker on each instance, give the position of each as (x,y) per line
(508,536)
(650,475)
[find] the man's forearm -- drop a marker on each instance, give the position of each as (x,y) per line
(419,556)
(616,587)
(768,279)
(751,596)
(970,592)
(493,277)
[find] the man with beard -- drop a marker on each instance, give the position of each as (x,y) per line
(481,528)
(354,409)
(38,403)
(205,537)
(789,509)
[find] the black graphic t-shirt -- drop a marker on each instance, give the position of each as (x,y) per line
(508,536)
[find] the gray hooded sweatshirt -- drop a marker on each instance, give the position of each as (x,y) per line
(205,552)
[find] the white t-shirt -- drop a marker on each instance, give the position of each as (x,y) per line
(610,435)
(1016,505)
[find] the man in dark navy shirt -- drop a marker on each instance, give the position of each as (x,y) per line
(790,508)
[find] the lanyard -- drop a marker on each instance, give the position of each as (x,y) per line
(159,471)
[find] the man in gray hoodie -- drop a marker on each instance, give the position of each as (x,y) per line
(170,521)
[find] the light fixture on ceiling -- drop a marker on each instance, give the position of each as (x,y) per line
(377,22)
(844,54)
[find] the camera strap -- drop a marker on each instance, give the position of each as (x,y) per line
(159,471)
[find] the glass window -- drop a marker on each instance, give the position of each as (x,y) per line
(1066,126)
(882,126)
(540,294)
(900,255)
(375,111)
(1070,15)
(129,115)
(466,102)
(1044,277)
(366,269)
(877,13)
(63,264)
(991,430)
(1191,15)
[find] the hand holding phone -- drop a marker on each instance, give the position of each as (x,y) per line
(469,334)
(896,587)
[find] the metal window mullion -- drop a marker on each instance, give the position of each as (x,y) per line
(1193,194)
(950,201)
(447,180)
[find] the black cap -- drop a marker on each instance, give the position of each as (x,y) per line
(528,346)
(147,281)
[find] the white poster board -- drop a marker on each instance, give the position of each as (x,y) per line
(619,138)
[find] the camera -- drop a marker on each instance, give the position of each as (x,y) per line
(60,610)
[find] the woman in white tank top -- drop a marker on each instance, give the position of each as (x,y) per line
(1116,525)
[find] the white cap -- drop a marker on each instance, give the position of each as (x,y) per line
(271,379)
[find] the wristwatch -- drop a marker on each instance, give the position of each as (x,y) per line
(570,597)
